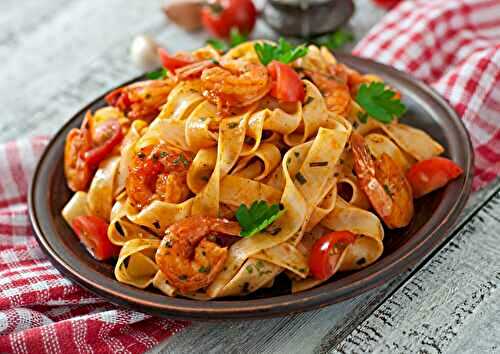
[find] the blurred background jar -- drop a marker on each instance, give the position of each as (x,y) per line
(307,18)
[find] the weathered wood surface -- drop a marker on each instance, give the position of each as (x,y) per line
(57,55)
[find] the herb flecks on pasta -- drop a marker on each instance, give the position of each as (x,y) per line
(223,170)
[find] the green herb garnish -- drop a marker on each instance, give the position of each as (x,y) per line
(379,102)
(235,38)
(204,269)
(335,40)
(181,159)
(283,52)
(159,74)
(363,117)
(256,218)
(218,44)
(300,178)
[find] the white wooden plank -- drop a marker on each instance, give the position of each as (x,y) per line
(451,305)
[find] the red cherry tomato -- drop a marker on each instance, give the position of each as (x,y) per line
(76,169)
(93,233)
(387,3)
(171,62)
(287,86)
(428,175)
(219,17)
(110,135)
(326,252)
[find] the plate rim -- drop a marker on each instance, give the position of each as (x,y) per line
(365,279)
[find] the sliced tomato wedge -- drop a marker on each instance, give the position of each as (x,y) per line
(78,142)
(287,86)
(326,252)
(93,233)
(428,175)
(109,135)
(171,62)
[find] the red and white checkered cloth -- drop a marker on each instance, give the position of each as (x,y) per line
(452,45)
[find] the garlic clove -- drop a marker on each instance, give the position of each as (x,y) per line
(144,52)
(184,13)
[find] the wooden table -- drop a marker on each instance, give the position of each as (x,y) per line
(56,55)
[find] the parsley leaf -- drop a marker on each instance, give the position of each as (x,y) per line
(218,44)
(235,38)
(257,217)
(380,102)
(283,52)
(159,74)
(335,40)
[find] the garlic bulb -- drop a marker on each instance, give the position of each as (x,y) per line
(144,52)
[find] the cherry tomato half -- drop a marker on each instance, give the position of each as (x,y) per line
(326,252)
(110,135)
(287,86)
(171,62)
(76,169)
(93,233)
(219,17)
(428,175)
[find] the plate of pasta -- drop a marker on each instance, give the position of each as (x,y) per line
(260,181)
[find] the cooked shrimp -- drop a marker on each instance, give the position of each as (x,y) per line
(334,87)
(141,100)
(189,256)
(235,83)
(158,173)
(193,70)
(384,183)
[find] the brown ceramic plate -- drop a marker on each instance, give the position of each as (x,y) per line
(435,215)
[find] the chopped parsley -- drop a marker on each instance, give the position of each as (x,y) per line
(300,178)
(363,117)
(249,269)
(318,164)
(181,159)
(204,269)
(380,102)
(388,190)
(256,218)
